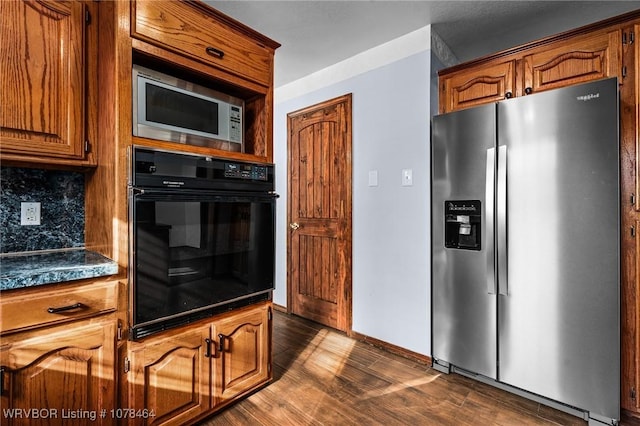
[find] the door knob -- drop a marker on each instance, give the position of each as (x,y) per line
(294,225)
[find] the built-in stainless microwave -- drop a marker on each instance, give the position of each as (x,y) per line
(172,109)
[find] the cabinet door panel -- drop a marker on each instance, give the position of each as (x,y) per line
(171,377)
(478,86)
(573,61)
(42,78)
(243,363)
(66,368)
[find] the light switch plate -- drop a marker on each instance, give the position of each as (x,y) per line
(373,178)
(407,177)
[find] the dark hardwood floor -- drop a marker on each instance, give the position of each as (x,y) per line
(322,377)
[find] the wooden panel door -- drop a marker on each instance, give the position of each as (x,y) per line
(242,353)
(573,61)
(42,78)
(171,377)
(319,209)
(477,86)
(68,368)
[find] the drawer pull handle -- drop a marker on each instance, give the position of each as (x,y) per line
(1,381)
(65,308)
(221,338)
(215,52)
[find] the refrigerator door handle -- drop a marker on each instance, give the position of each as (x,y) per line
(501,213)
(488,214)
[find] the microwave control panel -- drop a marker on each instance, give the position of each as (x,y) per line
(245,171)
(235,124)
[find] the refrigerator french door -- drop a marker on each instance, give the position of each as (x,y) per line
(525,245)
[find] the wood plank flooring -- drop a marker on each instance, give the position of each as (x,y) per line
(322,377)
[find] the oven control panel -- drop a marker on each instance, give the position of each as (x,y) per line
(245,171)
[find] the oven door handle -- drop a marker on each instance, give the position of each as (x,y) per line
(195,195)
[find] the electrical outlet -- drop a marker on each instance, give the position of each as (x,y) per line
(29,214)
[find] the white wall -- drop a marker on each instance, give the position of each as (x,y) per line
(391,255)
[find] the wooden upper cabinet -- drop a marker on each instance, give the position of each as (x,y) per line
(478,85)
(186,29)
(633,70)
(42,79)
(548,64)
(573,61)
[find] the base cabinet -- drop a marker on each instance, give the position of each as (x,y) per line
(170,378)
(242,359)
(188,373)
(59,375)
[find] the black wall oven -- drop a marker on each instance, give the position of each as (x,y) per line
(202,236)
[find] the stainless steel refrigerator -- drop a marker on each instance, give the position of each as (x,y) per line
(525,246)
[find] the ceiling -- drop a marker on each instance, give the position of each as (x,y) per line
(318,33)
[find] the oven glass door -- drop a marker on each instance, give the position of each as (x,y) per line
(192,251)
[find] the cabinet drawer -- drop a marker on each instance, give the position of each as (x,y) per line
(186,30)
(51,307)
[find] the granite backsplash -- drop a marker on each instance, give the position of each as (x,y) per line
(61,194)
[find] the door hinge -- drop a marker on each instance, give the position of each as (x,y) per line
(632,393)
(270,314)
(127,364)
(630,39)
(269,368)
(119,335)
(87,146)
(87,17)
(633,231)
(632,199)
(624,71)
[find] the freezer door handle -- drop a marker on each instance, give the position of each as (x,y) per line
(501,213)
(488,220)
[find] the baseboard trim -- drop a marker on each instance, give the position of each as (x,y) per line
(403,352)
(280,308)
(398,350)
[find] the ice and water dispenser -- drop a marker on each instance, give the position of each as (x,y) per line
(462,224)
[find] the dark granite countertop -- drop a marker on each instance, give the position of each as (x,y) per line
(33,269)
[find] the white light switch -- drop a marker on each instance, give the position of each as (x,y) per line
(407,177)
(373,178)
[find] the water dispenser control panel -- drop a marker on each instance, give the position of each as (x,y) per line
(462,224)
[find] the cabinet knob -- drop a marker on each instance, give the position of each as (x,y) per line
(508,95)
(294,225)
(528,90)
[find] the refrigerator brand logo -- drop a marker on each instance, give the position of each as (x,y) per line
(588,97)
(453,207)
